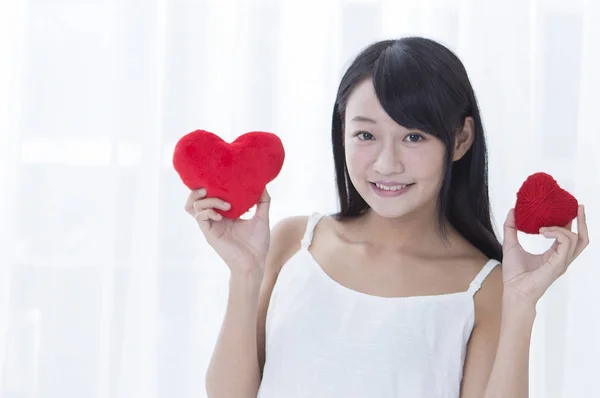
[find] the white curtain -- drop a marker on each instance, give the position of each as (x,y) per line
(107,288)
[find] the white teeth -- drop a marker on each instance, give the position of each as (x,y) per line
(387,188)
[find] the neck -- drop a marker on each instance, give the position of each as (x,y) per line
(416,231)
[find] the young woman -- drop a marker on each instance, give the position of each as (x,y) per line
(400,294)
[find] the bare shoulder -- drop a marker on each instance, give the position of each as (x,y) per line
(483,343)
(488,300)
(286,237)
(492,286)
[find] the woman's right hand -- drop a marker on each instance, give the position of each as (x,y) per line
(242,244)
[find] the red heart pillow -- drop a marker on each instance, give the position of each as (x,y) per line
(542,203)
(237,173)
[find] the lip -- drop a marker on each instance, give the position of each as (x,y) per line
(391,183)
(390,194)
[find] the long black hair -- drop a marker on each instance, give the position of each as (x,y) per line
(423,85)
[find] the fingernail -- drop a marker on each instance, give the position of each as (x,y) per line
(226,205)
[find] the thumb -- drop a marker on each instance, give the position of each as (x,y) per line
(263,205)
(510,231)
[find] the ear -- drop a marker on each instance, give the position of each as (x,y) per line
(464,139)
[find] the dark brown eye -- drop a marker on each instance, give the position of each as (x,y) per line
(414,137)
(364,135)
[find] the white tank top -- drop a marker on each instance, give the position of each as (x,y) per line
(328,341)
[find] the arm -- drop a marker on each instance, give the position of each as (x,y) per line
(497,362)
(238,358)
(526,278)
(510,373)
(233,370)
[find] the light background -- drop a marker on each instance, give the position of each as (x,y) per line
(107,288)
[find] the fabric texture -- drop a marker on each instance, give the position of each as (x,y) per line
(326,340)
(236,172)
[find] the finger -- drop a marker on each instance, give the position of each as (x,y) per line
(205,216)
(572,236)
(192,197)
(210,203)
(263,205)
(582,232)
(510,231)
(572,241)
(559,260)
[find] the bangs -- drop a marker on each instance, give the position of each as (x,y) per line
(413,93)
(423,85)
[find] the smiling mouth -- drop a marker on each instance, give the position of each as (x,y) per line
(391,188)
(390,191)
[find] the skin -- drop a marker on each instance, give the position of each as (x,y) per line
(396,241)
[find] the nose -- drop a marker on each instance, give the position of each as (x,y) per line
(388,161)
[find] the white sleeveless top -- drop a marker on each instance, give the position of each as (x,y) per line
(325,340)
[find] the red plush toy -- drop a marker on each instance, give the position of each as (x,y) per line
(542,203)
(237,173)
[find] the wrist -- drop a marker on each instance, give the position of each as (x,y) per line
(518,306)
(250,275)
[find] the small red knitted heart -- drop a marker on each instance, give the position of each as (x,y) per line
(237,173)
(542,203)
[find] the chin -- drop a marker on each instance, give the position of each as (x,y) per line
(390,212)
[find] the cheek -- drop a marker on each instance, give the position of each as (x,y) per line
(424,164)
(358,159)
(429,163)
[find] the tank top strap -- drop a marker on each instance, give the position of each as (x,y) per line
(313,220)
(475,285)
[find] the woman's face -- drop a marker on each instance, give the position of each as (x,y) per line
(396,170)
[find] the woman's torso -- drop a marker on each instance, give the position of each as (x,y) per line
(324,339)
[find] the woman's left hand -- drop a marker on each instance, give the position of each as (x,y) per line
(527,276)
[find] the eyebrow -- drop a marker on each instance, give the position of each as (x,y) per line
(363,119)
